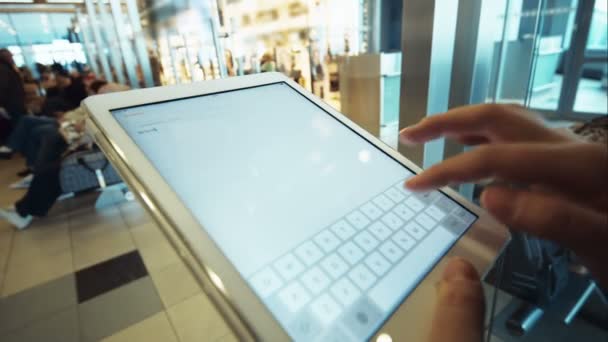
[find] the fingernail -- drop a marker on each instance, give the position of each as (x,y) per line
(405,137)
(406,140)
(405,130)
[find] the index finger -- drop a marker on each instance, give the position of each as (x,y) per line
(576,168)
(496,123)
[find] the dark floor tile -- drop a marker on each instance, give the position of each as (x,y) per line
(58,327)
(109,275)
(22,308)
(118,309)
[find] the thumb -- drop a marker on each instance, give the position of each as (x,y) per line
(459,311)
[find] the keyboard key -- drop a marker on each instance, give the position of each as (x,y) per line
(377,263)
(465,215)
(404,212)
(294,297)
(309,253)
(327,240)
(304,327)
(345,292)
(380,230)
(357,219)
(391,251)
(435,212)
(403,240)
(371,210)
(335,334)
(325,309)
(351,253)
(401,188)
(265,282)
(414,203)
(394,194)
(362,277)
(446,204)
(334,265)
(428,197)
(408,272)
(425,221)
(366,241)
(415,230)
(288,266)
(384,202)
(343,229)
(315,280)
(363,317)
(454,224)
(392,220)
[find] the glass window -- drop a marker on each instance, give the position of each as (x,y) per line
(8,35)
(546,72)
(598,32)
(591,95)
(33,28)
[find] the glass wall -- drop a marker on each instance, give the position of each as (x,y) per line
(591,93)
(529,50)
(539,59)
(38,37)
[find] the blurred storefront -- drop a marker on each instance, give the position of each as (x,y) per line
(385,64)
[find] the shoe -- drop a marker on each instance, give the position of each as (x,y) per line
(25,172)
(13,217)
(24,183)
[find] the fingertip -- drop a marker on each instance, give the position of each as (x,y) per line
(413,184)
(406,141)
(460,269)
(498,201)
(406,137)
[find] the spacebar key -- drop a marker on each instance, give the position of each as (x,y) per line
(409,271)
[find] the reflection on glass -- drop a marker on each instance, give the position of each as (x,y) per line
(529,51)
(591,94)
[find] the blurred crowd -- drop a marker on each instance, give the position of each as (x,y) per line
(41,119)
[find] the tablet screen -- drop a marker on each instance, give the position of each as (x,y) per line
(313,216)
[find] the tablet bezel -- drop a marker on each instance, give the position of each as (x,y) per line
(246,313)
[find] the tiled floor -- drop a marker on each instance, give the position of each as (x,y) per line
(106,272)
(89,273)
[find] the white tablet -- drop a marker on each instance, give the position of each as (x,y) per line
(294,219)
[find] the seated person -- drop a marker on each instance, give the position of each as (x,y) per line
(12,94)
(33,98)
(26,137)
(45,187)
(68,88)
(27,134)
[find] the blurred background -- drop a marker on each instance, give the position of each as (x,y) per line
(385,64)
